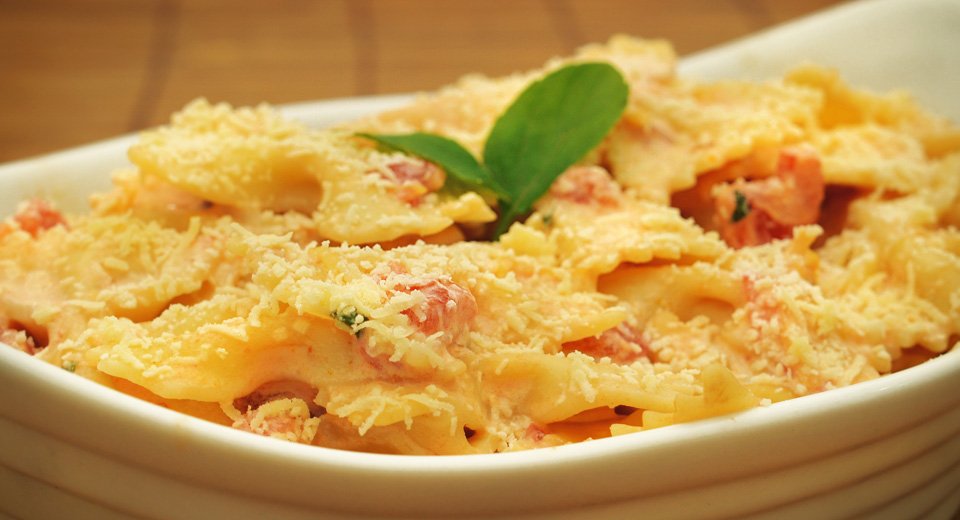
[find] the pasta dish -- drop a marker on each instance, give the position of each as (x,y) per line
(726,245)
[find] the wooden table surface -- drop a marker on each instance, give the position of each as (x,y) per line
(73,72)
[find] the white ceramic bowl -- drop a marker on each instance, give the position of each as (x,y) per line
(888,448)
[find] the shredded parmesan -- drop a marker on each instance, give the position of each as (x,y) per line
(294,283)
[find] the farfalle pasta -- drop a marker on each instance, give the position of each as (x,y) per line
(728,245)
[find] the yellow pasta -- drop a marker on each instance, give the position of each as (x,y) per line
(727,245)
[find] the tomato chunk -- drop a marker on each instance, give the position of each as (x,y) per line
(415,179)
(34,217)
(446,307)
(750,213)
(623,344)
(588,185)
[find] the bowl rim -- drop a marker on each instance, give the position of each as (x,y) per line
(224,458)
(71,392)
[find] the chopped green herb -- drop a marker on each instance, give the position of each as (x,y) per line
(349,318)
(741,207)
(552,124)
(69,366)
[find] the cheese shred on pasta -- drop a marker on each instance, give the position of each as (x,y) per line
(728,245)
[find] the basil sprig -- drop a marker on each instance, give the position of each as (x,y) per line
(552,124)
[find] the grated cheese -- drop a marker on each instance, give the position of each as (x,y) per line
(282,279)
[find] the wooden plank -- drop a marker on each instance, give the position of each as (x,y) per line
(425,44)
(277,52)
(70,72)
(74,72)
(773,12)
(690,25)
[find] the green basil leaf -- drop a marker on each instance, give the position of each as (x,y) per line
(551,125)
(456,160)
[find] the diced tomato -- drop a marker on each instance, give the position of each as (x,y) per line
(535,432)
(18,340)
(622,344)
(35,216)
(588,185)
(446,307)
(755,212)
(416,178)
